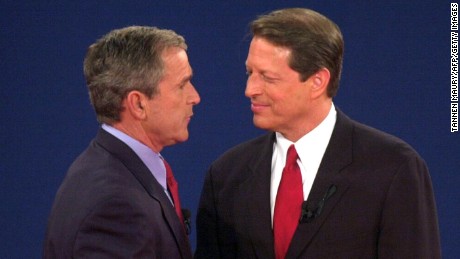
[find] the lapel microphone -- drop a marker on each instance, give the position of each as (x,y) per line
(187,221)
(308,215)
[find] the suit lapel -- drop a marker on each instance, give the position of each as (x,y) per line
(135,165)
(338,155)
(254,197)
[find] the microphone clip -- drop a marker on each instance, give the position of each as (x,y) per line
(307,215)
(187,221)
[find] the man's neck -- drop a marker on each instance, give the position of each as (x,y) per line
(315,118)
(136,131)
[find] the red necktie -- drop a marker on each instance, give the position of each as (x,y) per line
(174,190)
(288,204)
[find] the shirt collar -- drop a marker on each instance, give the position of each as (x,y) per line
(151,159)
(316,140)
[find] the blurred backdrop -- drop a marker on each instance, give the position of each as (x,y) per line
(396,77)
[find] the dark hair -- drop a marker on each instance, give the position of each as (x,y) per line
(124,60)
(315,41)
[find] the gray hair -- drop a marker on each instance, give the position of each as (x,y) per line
(124,60)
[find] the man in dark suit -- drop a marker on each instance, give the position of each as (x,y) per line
(318,184)
(119,198)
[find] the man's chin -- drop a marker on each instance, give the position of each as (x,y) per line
(258,123)
(183,137)
(178,139)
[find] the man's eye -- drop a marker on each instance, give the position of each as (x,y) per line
(267,79)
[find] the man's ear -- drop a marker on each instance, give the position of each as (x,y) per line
(135,103)
(319,82)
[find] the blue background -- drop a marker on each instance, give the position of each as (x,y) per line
(396,77)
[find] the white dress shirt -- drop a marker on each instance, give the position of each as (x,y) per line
(310,148)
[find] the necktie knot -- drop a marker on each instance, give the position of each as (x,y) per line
(291,156)
(170,180)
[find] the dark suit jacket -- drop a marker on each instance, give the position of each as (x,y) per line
(383,207)
(110,206)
